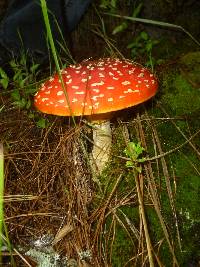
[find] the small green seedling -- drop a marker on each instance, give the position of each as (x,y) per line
(133,151)
(143,45)
(22,85)
(42,123)
(4,79)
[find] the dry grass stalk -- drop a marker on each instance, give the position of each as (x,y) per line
(49,183)
(151,183)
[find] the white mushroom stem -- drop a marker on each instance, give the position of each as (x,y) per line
(102,139)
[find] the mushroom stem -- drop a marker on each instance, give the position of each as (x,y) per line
(102,145)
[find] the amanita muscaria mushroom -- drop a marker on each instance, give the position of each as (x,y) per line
(96,89)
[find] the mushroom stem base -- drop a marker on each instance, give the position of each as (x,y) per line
(102,139)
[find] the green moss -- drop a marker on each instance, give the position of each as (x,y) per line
(156,234)
(180,96)
(191,59)
(122,248)
(181,88)
(188,194)
(191,67)
(187,203)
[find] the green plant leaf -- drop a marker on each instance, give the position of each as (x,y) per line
(144,36)
(18,76)
(3,74)
(133,152)
(149,46)
(129,164)
(34,67)
(41,123)
(28,104)
(4,83)
(120,28)
(31,115)
(21,103)
(15,95)
(137,10)
(13,64)
(22,82)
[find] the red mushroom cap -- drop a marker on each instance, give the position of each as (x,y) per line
(96,87)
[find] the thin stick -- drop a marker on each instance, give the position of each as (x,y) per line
(141,206)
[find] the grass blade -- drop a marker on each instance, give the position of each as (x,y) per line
(157,23)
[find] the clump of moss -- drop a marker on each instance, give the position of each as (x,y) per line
(180,96)
(122,248)
(187,203)
(181,89)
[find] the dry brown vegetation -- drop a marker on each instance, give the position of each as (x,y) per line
(49,190)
